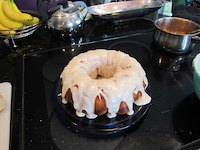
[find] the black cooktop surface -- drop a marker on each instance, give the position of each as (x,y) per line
(170,123)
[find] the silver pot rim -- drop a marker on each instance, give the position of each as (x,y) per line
(177,18)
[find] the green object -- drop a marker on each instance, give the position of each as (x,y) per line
(196,74)
(167,9)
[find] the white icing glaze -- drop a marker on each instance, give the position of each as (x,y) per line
(122,76)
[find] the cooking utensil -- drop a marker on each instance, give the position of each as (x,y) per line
(175,34)
(124,9)
(68,19)
(165,60)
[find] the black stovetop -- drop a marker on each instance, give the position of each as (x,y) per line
(170,123)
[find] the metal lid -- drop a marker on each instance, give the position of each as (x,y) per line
(65,8)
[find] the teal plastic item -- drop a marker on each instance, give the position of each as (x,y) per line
(196,74)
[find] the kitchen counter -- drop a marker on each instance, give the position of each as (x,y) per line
(35,64)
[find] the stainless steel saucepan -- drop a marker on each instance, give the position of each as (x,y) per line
(175,34)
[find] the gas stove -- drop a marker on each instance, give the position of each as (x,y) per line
(169,122)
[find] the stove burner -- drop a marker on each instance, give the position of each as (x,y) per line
(101,126)
(62,138)
(167,60)
(57,62)
(125,27)
(185,119)
(138,50)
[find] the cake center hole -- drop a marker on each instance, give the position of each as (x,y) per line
(106,71)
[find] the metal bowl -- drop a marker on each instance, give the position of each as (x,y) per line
(175,34)
(22,32)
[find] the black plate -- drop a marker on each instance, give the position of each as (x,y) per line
(102,125)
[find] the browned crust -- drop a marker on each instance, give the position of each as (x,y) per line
(68,96)
(100,105)
(144,84)
(123,108)
(137,95)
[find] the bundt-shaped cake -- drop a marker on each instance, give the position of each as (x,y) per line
(103,81)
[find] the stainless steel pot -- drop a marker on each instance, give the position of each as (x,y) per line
(175,34)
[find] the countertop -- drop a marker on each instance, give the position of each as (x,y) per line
(95,33)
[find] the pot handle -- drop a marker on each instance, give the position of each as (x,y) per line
(195,32)
(196,38)
(83,6)
(80,4)
(194,35)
